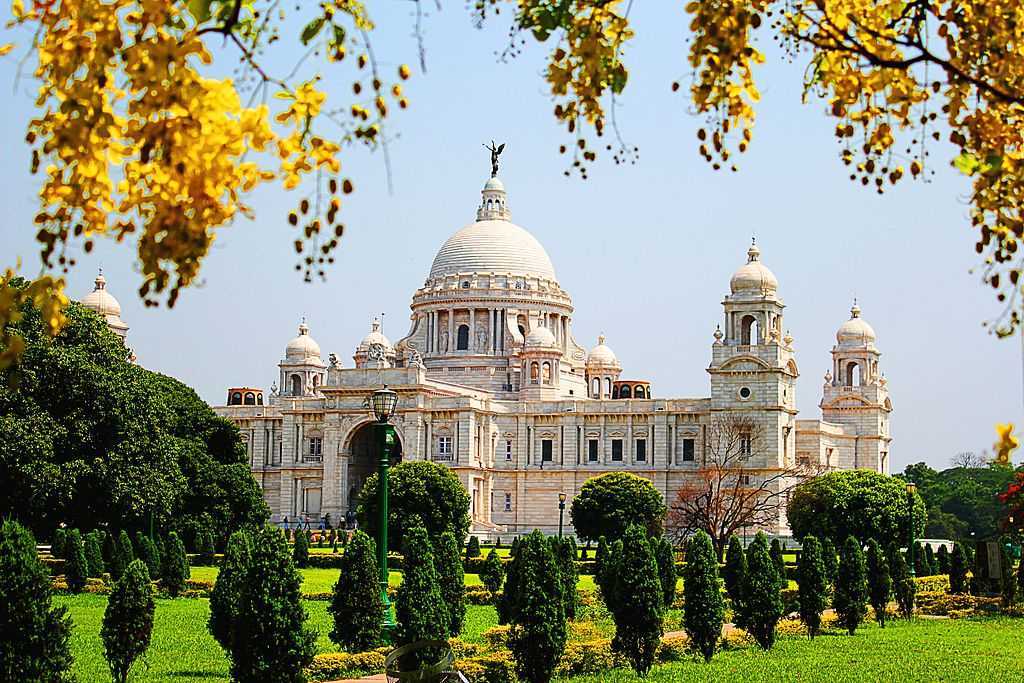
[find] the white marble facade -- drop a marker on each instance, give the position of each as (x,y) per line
(493,384)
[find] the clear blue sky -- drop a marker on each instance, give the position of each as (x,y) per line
(646,251)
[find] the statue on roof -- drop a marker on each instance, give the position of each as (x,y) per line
(495,151)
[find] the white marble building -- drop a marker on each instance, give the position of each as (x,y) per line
(493,384)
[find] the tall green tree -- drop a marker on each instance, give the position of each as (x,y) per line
(271,639)
(536,614)
(831,560)
(419,605)
(124,555)
(761,604)
(703,606)
(604,570)
(174,569)
(225,598)
(564,550)
(733,573)
(780,563)
(666,558)
(448,563)
(492,573)
(903,585)
(638,603)
(356,604)
(812,584)
(34,634)
(300,550)
(419,489)
(851,592)
(57,544)
(473,547)
(942,558)
(958,570)
(921,567)
(128,620)
(930,561)
(94,553)
(76,566)
(147,552)
(879,581)
(608,503)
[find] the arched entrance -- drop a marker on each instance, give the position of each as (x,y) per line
(363,455)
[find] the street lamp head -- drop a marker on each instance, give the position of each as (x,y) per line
(561,496)
(384,401)
(911,488)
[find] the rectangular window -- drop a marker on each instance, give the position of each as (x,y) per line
(508,502)
(688,450)
(641,450)
(546,450)
(316,449)
(444,448)
(746,446)
(592,450)
(617,450)
(508,450)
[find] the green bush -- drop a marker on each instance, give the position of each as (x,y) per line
(775,550)
(921,567)
(148,553)
(930,561)
(94,553)
(879,581)
(565,555)
(473,547)
(76,566)
(637,606)
(664,555)
(419,607)
(903,585)
(1007,581)
(452,580)
(174,569)
(703,607)
(536,614)
(942,559)
(608,503)
(128,620)
(57,544)
(851,593)
(226,592)
(124,555)
(812,585)
(34,635)
(493,572)
(356,604)
(300,551)
(733,572)
(831,560)
(604,574)
(761,604)
(958,570)
(271,640)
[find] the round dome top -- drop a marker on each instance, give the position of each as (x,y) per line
(492,246)
(753,277)
(540,337)
(375,337)
(856,330)
(601,355)
(493,183)
(303,347)
(102,301)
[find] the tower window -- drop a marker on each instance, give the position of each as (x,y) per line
(749,330)
(688,450)
(592,450)
(746,445)
(546,450)
(641,450)
(546,372)
(236,398)
(853,374)
(745,392)
(639,392)
(462,338)
(296,385)
(508,502)
(617,450)
(596,387)
(508,450)
(625,392)
(534,373)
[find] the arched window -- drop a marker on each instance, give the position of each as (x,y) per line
(639,392)
(236,399)
(615,392)
(853,374)
(250,398)
(534,373)
(296,382)
(596,388)
(316,381)
(607,386)
(625,392)
(749,330)
(259,399)
(462,339)
(547,373)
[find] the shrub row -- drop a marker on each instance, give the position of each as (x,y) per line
(936,603)
(932,584)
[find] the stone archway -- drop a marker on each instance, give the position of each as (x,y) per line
(362,460)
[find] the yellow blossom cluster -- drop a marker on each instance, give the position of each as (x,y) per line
(45,293)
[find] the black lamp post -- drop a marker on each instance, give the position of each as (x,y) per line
(911,490)
(384,401)
(561,511)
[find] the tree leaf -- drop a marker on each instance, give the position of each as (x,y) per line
(311,30)
(200,9)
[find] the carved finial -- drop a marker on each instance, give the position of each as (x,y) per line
(495,151)
(600,339)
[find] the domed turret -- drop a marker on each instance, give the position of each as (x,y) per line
(753,277)
(302,347)
(540,338)
(601,356)
(103,302)
(856,331)
(374,343)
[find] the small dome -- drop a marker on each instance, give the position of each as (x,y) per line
(540,337)
(493,183)
(375,337)
(602,356)
(303,347)
(102,301)
(855,331)
(753,277)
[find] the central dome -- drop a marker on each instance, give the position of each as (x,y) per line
(492,246)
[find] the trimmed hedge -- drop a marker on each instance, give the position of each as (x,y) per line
(334,665)
(946,605)
(932,584)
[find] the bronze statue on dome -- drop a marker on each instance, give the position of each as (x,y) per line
(495,151)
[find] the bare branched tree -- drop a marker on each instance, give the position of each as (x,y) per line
(736,487)
(969,460)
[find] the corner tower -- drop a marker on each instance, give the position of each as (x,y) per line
(856,394)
